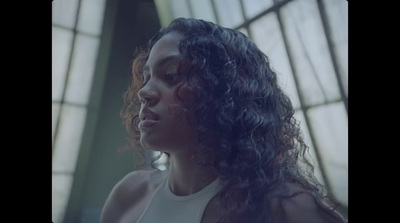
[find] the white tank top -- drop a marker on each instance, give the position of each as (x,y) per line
(167,207)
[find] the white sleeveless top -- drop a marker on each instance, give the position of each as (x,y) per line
(166,207)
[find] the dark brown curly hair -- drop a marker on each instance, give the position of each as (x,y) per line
(244,119)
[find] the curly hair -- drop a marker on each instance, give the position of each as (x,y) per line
(243,117)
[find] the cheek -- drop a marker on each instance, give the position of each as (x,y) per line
(175,110)
(181,115)
(186,94)
(178,110)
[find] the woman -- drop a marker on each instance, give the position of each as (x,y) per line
(209,99)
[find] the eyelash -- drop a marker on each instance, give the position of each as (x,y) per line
(167,77)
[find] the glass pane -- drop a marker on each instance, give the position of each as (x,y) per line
(82,69)
(244,31)
(337,13)
(64,12)
(202,10)
(229,13)
(179,8)
(61,49)
(268,37)
(91,16)
(330,128)
(310,52)
(54,116)
(68,139)
(254,7)
(61,188)
(299,115)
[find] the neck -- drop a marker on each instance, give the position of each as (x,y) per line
(186,176)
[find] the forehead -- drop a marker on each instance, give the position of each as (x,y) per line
(167,46)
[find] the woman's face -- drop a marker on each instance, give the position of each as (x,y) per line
(164,125)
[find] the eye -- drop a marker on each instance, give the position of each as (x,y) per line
(171,78)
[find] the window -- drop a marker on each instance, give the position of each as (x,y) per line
(76,30)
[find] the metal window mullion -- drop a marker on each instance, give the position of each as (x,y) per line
(215,11)
(84,33)
(65,173)
(247,24)
(301,98)
(67,74)
(72,104)
(327,30)
(307,107)
(275,7)
(190,7)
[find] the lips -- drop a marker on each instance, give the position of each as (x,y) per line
(147,118)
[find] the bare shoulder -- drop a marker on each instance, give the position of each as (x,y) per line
(128,192)
(136,181)
(303,207)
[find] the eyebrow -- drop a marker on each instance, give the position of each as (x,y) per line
(163,61)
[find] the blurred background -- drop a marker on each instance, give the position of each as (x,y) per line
(93,43)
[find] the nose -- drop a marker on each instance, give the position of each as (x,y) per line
(148,97)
